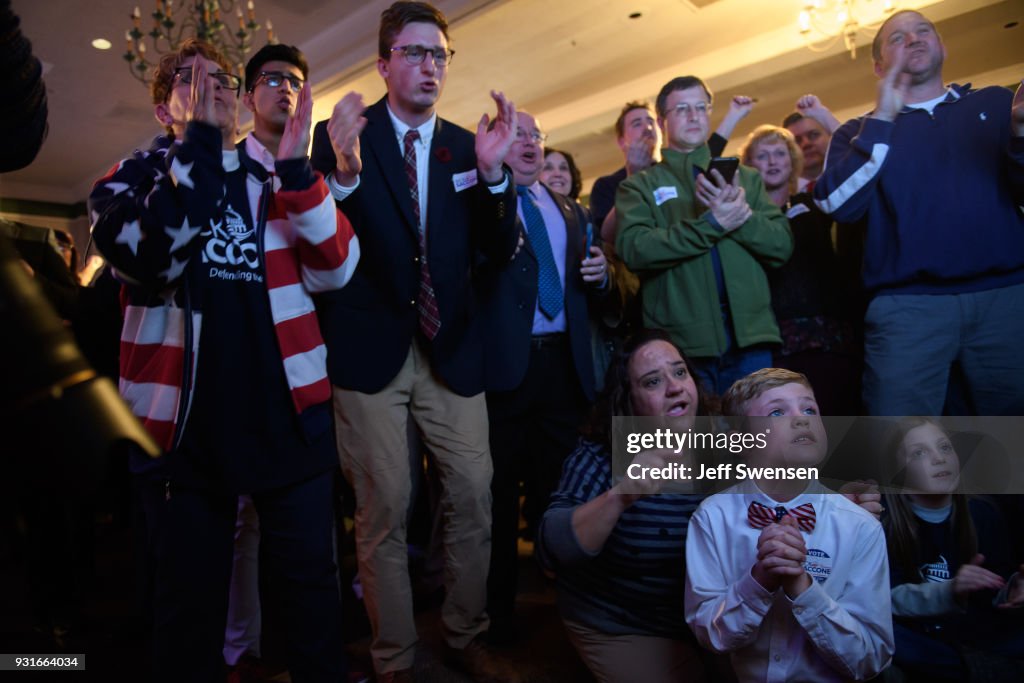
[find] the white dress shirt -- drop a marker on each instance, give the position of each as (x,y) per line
(839,629)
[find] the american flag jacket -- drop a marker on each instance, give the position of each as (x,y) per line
(147,214)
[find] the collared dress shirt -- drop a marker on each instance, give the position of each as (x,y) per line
(838,629)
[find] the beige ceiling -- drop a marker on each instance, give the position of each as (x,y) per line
(572,63)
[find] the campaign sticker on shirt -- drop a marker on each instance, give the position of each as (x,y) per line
(465,180)
(818,564)
(796,210)
(663,194)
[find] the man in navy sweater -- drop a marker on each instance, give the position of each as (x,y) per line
(939,174)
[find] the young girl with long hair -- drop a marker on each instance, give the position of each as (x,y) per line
(955,597)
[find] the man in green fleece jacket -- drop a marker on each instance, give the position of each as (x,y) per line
(700,245)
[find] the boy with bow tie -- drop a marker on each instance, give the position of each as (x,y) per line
(788,577)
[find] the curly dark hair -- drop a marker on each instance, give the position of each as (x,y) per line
(616,399)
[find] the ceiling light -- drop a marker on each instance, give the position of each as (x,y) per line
(101,44)
(823,22)
(200,19)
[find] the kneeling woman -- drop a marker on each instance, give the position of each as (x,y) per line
(619,556)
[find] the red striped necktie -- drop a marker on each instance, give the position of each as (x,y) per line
(760,515)
(426,301)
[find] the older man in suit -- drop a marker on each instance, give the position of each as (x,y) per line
(429,203)
(540,371)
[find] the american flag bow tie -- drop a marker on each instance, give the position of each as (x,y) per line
(760,515)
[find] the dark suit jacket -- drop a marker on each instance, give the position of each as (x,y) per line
(369,325)
(510,295)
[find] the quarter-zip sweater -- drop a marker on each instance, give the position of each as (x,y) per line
(940,192)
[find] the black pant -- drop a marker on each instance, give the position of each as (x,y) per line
(532,430)
(190,536)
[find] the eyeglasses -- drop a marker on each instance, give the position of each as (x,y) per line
(183,74)
(415,54)
(274,79)
(535,135)
(683,109)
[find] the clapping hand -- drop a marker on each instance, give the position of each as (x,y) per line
(640,153)
(492,145)
(893,88)
(344,127)
(295,139)
(202,103)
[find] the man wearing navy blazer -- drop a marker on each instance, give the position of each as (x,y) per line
(429,204)
(540,369)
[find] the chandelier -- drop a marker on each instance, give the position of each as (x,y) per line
(200,19)
(823,22)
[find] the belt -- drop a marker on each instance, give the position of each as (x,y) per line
(547,341)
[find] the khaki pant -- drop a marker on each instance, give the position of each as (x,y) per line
(375,459)
(627,658)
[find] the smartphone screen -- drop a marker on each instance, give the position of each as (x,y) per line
(725,165)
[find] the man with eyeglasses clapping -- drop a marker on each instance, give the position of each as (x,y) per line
(429,203)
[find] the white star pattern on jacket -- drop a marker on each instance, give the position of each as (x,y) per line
(118,188)
(131,234)
(175,271)
(181,173)
(182,235)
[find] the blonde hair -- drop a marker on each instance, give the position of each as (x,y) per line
(770,133)
(163,72)
(746,389)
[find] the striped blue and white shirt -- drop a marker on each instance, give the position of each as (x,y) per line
(635,583)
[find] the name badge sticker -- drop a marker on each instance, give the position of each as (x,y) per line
(464,181)
(663,194)
(796,210)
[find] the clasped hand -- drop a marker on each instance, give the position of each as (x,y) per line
(726,201)
(781,552)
